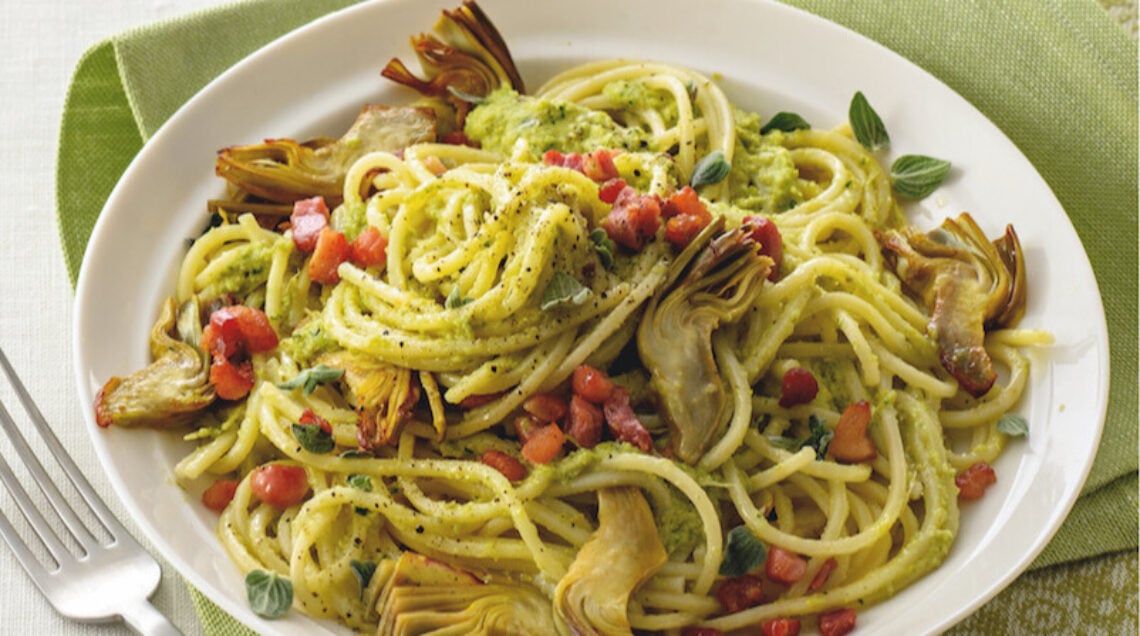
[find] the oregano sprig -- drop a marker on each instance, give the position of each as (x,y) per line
(1014,425)
(712,168)
(564,288)
(311,378)
(743,552)
(269,594)
(786,122)
(912,176)
(866,124)
(915,176)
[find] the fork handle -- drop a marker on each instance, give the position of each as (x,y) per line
(145,619)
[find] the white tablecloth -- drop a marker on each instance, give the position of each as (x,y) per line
(40,43)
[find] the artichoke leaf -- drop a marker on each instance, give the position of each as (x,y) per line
(1008,247)
(723,277)
(423,595)
(464,56)
(624,552)
(168,392)
(284,170)
(968,284)
(383,395)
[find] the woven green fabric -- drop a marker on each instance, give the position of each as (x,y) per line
(1059,77)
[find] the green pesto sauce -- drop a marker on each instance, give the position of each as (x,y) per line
(249,271)
(679,525)
(678,522)
(307,342)
(349,219)
(763,177)
(632,95)
(473,447)
(579,461)
(505,117)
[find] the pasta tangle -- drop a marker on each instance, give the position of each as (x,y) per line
(399,386)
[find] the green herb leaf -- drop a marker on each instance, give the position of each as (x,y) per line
(313,438)
(743,552)
(784,121)
(311,378)
(363,571)
(356,454)
(360,482)
(269,594)
(820,437)
(564,288)
(454,300)
(604,246)
(865,123)
(915,176)
(465,96)
(713,168)
(1013,424)
(786,443)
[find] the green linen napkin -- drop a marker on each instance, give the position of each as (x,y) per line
(1059,77)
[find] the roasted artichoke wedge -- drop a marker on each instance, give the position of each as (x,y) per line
(624,552)
(465,57)
(383,394)
(968,284)
(283,170)
(674,337)
(424,596)
(167,393)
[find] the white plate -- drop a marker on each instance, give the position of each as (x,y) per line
(768,57)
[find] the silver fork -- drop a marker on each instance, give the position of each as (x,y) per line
(99,580)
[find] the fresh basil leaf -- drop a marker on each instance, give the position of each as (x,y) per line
(820,437)
(564,288)
(743,552)
(866,124)
(915,176)
(465,96)
(713,168)
(356,454)
(454,300)
(1013,424)
(269,594)
(313,438)
(784,121)
(604,246)
(360,482)
(363,571)
(311,378)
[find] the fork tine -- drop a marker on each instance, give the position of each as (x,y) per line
(32,513)
(43,530)
(77,528)
(23,553)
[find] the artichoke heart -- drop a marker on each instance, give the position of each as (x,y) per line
(383,394)
(167,393)
(968,285)
(675,334)
(284,170)
(465,57)
(624,552)
(425,596)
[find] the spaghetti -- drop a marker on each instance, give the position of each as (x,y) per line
(443,345)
